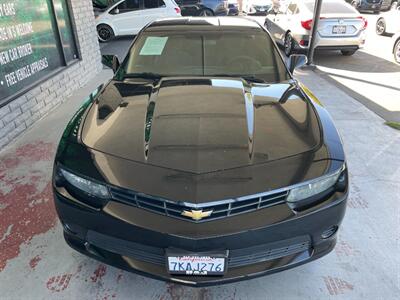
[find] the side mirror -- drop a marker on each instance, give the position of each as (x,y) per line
(296,61)
(110,61)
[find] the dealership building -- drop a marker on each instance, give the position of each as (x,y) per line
(48,49)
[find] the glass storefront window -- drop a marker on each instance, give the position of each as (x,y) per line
(36,39)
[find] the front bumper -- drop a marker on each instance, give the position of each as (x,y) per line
(365,6)
(258,10)
(252,253)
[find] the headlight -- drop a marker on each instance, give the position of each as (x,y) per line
(313,187)
(91,188)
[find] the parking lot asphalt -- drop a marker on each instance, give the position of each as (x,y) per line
(118,47)
(35,262)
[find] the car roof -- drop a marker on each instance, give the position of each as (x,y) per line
(199,23)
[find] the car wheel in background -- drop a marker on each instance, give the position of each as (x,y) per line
(288,44)
(105,33)
(348,52)
(396,51)
(394,5)
(354,4)
(380,26)
(206,13)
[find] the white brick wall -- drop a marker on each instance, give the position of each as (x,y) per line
(21,113)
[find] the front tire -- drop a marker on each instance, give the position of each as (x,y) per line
(396,51)
(380,26)
(288,44)
(206,13)
(105,33)
(348,52)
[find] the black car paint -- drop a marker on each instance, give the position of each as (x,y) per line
(197,183)
(191,132)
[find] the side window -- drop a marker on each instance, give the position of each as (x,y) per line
(292,9)
(132,4)
(126,6)
(153,3)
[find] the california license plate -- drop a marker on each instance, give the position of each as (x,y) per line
(196,264)
(339,29)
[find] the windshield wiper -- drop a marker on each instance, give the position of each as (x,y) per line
(253,79)
(249,78)
(144,75)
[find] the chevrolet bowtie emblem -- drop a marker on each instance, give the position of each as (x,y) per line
(196,214)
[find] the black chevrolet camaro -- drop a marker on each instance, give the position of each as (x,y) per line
(202,161)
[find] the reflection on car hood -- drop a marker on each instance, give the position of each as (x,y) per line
(201,125)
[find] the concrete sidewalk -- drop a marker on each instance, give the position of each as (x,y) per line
(370,75)
(35,262)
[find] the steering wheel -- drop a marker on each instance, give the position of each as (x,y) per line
(244,64)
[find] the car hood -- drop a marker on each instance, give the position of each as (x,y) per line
(201,125)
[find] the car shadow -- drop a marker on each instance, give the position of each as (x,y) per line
(361,62)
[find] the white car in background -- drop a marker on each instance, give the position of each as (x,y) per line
(128,17)
(388,23)
(341,27)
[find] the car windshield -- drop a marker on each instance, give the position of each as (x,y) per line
(216,53)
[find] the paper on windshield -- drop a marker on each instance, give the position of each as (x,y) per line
(154,45)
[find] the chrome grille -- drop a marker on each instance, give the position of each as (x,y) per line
(220,209)
(237,257)
(264,253)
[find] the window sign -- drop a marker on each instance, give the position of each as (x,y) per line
(154,45)
(31,47)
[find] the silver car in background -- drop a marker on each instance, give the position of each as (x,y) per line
(341,27)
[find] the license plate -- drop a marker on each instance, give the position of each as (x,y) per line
(196,264)
(373,6)
(262,9)
(339,29)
